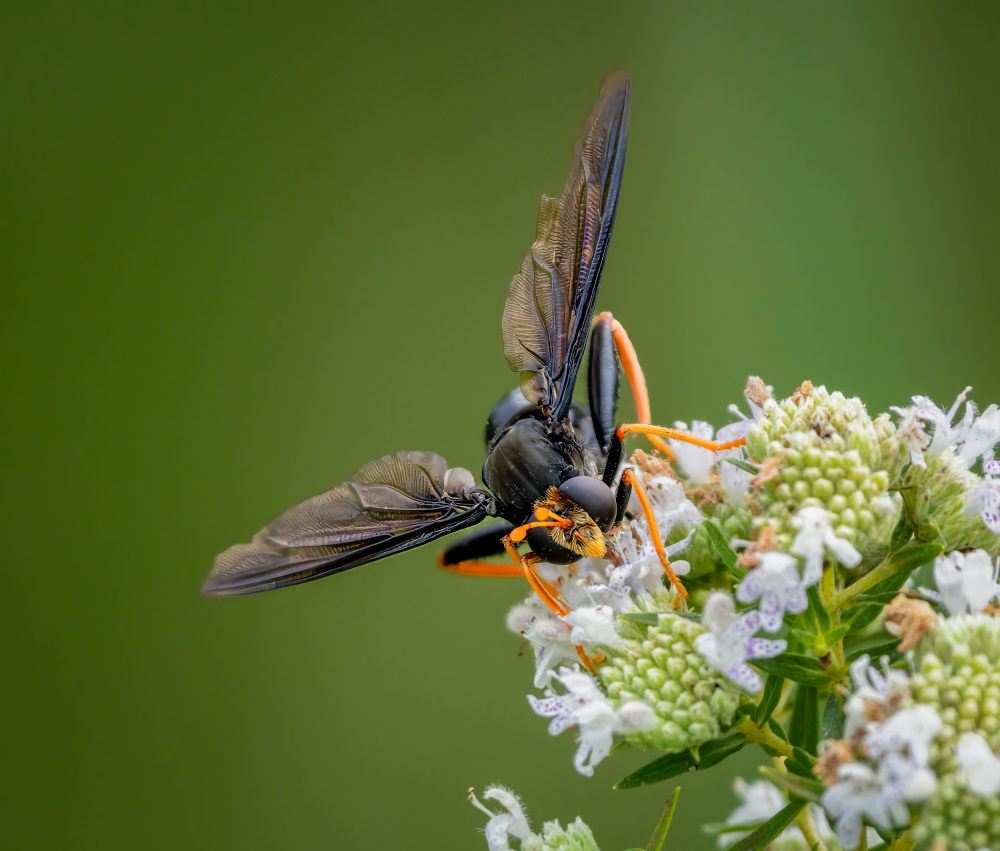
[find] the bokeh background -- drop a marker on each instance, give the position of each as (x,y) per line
(249,246)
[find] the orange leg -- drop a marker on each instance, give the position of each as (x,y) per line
(480,568)
(636,379)
(647,429)
(526,564)
(631,478)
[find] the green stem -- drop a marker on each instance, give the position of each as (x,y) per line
(827,593)
(902,843)
(886,569)
(764,736)
(809,830)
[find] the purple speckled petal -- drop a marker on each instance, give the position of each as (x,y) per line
(743,627)
(771,610)
(745,677)
(765,648)
(751,587)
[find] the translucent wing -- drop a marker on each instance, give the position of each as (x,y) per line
(547,316)
(391,504)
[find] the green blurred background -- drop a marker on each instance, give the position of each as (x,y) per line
(248,247)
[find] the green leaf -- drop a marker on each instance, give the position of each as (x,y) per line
(745,466)
(771,829)
(876,599)
(801,763)
(645,618)
(769,699)
(803,730)
(794,666)
(915,554)
(833,718)
(794,784)
(671,765)
(663,825)
(720,544)
(820,616)
(901,534)
(875,646)
(777,729)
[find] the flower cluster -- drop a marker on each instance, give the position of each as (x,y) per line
(510,824)
(794,551)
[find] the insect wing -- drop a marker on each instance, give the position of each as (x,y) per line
(547,317)
(391,504)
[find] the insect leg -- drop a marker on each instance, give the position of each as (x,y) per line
(630,479)
(618,442)
(548,594)
(605,327)
(466,556)
(526,564)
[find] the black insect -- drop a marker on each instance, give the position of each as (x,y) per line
(550,464)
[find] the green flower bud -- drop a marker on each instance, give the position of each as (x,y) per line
(822,449)
(936,498)
(659,666)
(576,836)
(957,672)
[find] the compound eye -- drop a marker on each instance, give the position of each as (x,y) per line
(594,497)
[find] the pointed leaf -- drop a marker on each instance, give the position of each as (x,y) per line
(671,765)
(663,825)
(821,617)
(722,548)
(875,646)
(794,784)
(797,667)
(646,618)
(800,763)
(901,534)
(771,829)
(803,731)
(769,699)
(745,466)
(833,718)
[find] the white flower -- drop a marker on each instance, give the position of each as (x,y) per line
(967,581)
(984,498)
(979,766)
(778,586)
(593,626)
(872,689)
(860,793)
(697,463)
(916,438)
(758,396)
(641,571)
(814,537)
(587,708)
(730,642)
(735,481)
(503,825)
(971,437)
(982,437)
(907,730)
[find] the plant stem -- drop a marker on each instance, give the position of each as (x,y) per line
(809,830)
(764,736)
(886,569)
(827,593)
(902,843)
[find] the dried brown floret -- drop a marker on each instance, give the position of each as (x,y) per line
(804,390)
(909,619)
(757,391)
(835,753)
(766,541)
